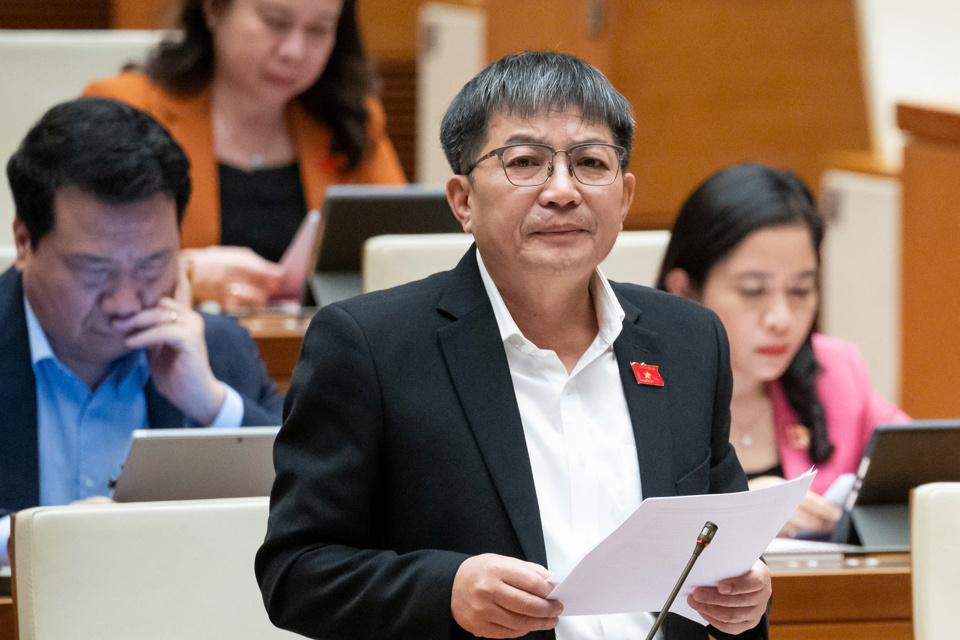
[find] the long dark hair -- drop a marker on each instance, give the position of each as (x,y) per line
(184,65)
(726,208)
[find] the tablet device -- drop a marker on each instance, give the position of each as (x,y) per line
(898,458)
(352,213)
(189,464)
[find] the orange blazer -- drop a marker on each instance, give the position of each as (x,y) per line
(190,122)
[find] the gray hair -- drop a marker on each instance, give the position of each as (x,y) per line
(525,84)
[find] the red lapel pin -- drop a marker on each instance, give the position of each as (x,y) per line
(647,374)
(798,437)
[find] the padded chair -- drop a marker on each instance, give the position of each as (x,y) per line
(8,254)
(391,260)
(141,570)
(636,257)
(935,559)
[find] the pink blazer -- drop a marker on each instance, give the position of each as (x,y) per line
(852,408)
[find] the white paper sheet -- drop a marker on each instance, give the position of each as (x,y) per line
(636,567)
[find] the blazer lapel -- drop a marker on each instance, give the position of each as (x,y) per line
(648,405)
(19,457)
(478,366)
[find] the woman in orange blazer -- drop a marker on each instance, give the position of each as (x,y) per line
(269,100)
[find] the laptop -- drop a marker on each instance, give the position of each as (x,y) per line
(898,458)
(353,213)
(190,464)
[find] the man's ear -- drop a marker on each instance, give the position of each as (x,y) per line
(629,184)
(459,192)
(678,283)
(21,239)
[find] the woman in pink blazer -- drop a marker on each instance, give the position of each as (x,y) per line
(746,244)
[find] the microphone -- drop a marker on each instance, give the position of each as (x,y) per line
(703,540)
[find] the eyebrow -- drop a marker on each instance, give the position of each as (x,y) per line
(90,258)
(521,138)
(762,275)
(284,11)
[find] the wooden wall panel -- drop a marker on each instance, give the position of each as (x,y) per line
(930,261)
(716,83)
(55,14)
(390,26)
(144,14)
(580,27)
(398,80)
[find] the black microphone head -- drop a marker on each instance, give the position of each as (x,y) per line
(706,534)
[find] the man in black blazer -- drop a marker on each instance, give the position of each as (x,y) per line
(446,441)
(100,189)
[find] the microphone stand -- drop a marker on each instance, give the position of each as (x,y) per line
(706,536)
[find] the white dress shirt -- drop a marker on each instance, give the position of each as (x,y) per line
(581,446)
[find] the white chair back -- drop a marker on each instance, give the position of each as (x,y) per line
(636,257)
(141,570)
(392,260)
(935,559)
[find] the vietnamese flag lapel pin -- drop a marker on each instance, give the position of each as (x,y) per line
(647,374)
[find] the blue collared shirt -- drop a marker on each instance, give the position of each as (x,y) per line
(83,437)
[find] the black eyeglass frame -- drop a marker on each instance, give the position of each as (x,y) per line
(499,151)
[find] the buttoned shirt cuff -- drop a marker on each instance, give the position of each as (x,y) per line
(4,538)
(231,413)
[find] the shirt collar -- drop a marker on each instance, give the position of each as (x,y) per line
(610,314)
(134,362)
(39,345)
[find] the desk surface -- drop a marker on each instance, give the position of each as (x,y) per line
(7,632)
(870,599)
(278,337)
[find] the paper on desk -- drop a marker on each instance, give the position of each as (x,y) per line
(635,567)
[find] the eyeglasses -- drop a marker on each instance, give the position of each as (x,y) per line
(529,165)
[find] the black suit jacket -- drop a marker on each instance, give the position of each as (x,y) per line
(234,359)
(402,452)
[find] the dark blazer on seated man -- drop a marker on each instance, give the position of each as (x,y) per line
(96,331)
(234,359)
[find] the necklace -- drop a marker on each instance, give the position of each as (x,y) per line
(758,413)
(257,161)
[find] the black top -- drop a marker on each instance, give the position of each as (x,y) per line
(261,209)
(776,470)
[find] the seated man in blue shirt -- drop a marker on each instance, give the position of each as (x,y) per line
(95,335)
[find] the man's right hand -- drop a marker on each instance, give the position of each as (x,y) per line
(501,597)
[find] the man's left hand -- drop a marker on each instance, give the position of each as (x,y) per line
(172,334)
(736,604)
